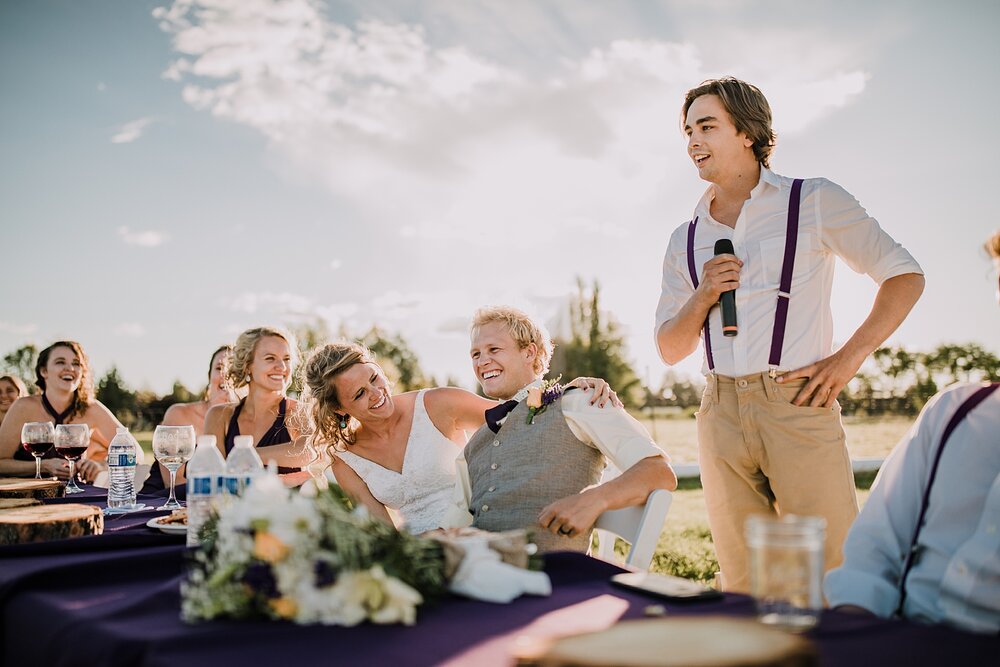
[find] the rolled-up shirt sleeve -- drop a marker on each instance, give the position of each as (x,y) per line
(612,431)
(856,237)
(675,287)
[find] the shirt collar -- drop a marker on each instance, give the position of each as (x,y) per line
(522,393)
(767,178)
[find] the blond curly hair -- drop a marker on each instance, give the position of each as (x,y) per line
(322,406)
(239,365)
(522,329)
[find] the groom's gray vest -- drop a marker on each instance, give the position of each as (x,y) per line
(518,471)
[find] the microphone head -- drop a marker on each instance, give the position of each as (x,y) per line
(724,247)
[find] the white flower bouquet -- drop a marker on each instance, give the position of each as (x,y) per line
(274,553)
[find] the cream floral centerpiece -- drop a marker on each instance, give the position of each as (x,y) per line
(311,558)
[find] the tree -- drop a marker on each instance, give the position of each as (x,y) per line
(595,347)
(21,362)
(118,397)
(397,359)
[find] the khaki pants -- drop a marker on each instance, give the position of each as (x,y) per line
(759,454)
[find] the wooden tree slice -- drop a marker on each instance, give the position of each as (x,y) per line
(11,503)
(706,641)
(49,522)
(17,487)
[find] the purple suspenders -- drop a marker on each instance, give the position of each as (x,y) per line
(784,286)
(964,409)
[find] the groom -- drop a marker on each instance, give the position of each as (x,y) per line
(540,468)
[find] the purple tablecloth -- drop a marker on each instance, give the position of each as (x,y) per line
(114,600)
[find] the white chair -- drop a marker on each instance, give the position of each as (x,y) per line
(640,526)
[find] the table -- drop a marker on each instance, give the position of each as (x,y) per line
(114,600)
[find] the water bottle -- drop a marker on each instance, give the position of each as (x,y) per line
(121,472)
(242,465)
(204,483)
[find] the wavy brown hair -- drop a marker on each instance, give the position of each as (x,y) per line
(18,384)
(228,349)
(319,393)
(746,105)
(84,394)
(246,344)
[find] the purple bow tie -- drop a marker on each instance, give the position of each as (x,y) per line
(495,414)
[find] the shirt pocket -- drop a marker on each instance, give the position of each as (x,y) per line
(772,257)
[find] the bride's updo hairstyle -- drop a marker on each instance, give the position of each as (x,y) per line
(319,394)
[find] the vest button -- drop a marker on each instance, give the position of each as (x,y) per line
(492,489)
(486,508)
(742,383)
(496,443)
(494,466)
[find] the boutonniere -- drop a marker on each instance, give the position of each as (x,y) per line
(539,398)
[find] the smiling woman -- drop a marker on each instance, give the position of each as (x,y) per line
(62,372)
(263,360)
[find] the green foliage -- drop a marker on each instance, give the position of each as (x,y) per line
(595,347)
(397,359)
(118,397)
(21,362)
(689,554)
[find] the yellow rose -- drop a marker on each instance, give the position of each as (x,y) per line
(284,607)
(269,548)
(534,397)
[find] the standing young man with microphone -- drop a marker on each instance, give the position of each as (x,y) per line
(770,438)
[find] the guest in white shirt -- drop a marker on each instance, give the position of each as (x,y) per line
(769,430)
(955,573)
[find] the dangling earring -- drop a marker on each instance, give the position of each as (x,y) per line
(247,379)
(343,422)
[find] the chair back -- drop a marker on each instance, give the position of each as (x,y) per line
(640,526)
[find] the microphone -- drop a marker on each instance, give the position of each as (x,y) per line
(727,300)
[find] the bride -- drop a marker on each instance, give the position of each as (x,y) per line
(393,451)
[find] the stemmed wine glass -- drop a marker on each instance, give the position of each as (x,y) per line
(71,442)
(173,446)
(37,439)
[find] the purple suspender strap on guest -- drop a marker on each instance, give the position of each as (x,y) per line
(964,409)
(694,281)
(784,286)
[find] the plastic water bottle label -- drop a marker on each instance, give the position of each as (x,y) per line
(201,486)
(235,484)
(122,460)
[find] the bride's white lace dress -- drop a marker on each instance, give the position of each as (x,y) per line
(422,492)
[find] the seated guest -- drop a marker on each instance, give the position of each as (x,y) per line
(539,466)
(926,544)
(63,374)
(262,361)
(11,389)
(218,392)
(392,450)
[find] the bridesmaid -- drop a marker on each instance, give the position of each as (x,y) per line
(63,374)
(11,389)
(262,361)
(218,392)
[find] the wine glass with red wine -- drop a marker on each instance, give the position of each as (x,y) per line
(37,439)
(71,442)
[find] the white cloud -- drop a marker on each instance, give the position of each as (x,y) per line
(378,107)
(131,131)
(18,329)
(101,86)
(149,238)
(335,264)
(277,302)
(129,330)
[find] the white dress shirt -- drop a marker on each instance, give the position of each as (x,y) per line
(612,431)
(831,224)
(956,577)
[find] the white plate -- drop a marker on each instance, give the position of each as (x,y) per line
(168,528)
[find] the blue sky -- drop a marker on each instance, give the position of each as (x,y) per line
(172,173)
